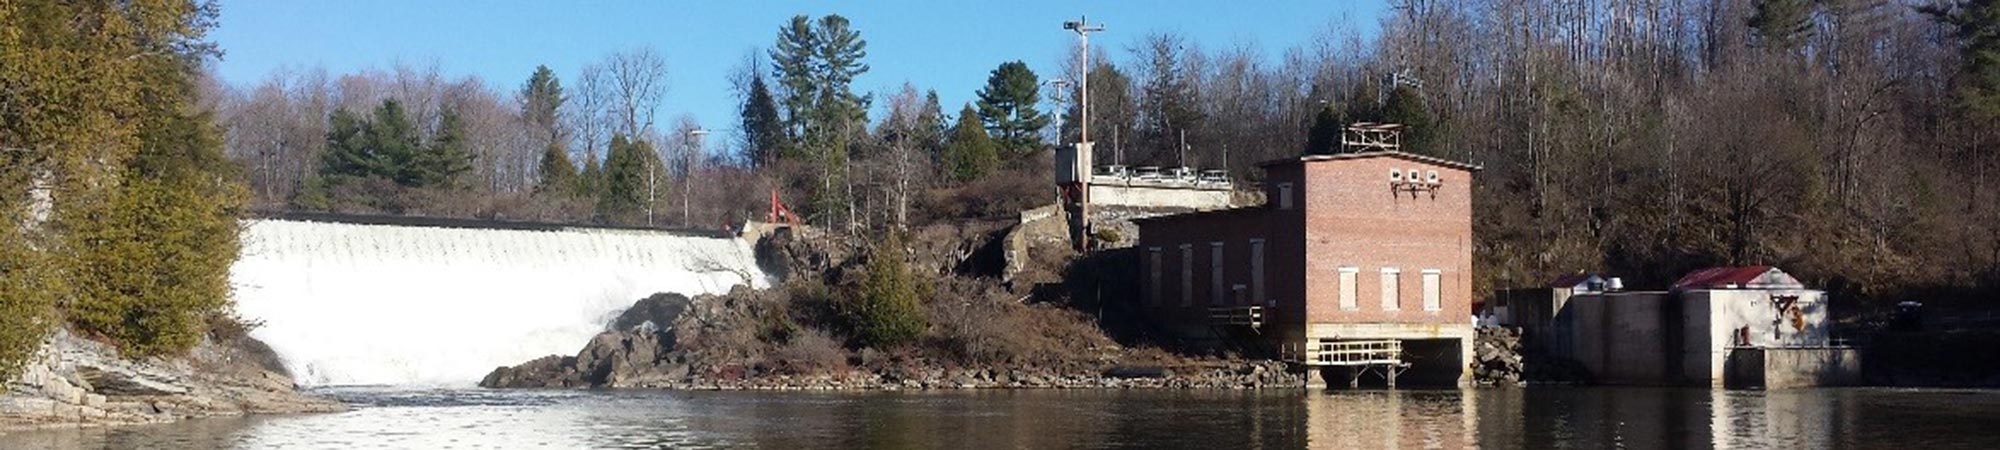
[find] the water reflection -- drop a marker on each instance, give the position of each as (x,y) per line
(1561,418)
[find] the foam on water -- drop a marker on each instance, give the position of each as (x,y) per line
(353,304)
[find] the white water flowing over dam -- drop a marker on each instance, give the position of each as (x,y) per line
(379,304)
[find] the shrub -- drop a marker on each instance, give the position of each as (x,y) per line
(888,310)
(809,351)
(1000,194)
(25,301)
(150,255)
(153,266)
(979,333)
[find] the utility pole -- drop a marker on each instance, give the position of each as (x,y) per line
(1083,28)
(652,183)
(1076,191)
(687,170)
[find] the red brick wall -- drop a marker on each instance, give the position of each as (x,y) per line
(1354,219)
(1343,214)
(1234,229)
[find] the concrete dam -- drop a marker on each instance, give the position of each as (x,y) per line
(388,301)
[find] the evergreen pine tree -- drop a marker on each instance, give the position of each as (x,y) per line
(794,66)
(763,130)
(934,127)
(1406,106)
(442,164)
(155,269)
(558,175)
(969,152)
(839,54)
(815,63)
(622,198)
(590,180)
(1783,24)
(1324,139)
(890,309)
(541,103)
(1977,26)
(1007,106)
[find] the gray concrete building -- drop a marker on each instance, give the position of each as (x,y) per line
(1728,326)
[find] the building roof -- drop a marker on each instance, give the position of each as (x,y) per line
(1574,280)
(1745,277)
(1374,154)
(1240,210)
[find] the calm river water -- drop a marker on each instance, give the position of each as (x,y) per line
(1588,418)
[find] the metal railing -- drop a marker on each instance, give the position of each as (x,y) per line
(1327,352)
(1250,316)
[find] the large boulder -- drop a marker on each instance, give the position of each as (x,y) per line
(545,372)
(633,352)
(661,310)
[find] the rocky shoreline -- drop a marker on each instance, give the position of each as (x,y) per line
(77,382)
(639,354)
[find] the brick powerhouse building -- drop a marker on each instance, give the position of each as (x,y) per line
(1367,248)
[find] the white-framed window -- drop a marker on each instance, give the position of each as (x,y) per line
(1153,275)
(1392,285)
(1285,196)
(1348,290)
(1187,275)
(1257,273)
(1217,291)
(1433,297)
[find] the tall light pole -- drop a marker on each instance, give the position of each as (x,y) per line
(1075,187)
(1083,28)
(687,170)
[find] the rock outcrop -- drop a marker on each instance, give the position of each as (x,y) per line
(74,381)
(982,334)
(632,353)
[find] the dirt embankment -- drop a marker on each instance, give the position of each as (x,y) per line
(986,329)
(73,381)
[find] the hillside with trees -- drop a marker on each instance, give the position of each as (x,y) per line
(119,207)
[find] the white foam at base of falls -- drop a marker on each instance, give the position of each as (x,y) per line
(353,304)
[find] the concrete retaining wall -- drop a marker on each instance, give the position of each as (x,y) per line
(1786,368)
(1159,197)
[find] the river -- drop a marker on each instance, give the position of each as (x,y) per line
(1584,418)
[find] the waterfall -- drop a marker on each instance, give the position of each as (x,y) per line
(375,304)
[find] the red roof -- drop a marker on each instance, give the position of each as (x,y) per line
(1722,277)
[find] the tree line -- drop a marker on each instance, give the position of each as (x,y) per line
(1848,141)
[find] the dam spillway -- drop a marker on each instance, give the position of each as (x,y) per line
(420,304)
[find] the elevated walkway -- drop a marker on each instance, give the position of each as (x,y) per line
(1356,358)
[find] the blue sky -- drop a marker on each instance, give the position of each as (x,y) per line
(947,46)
